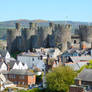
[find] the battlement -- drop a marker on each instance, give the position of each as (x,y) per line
(9,31)
(83,26)
(62,27)
(18,26)
(51,24)
(32,25)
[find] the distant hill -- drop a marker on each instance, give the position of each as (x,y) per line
(25,23)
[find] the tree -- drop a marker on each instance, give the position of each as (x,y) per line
(59,79)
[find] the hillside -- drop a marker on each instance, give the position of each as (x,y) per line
(25,23)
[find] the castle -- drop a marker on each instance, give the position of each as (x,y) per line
(54,35)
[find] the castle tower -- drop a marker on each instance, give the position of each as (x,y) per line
(62,36)
(44,32)
(51,25)
(32,25)
(17,26)
(28,36)
(12,38)
(86,33)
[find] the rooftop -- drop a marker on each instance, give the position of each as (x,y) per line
(19,72)
(85,75)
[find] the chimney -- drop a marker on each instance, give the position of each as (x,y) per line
(78,81)
(59,60)
(47,62)
(8,67)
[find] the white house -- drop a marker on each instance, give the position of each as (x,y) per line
(53,52)
(31,59)
(17,65)
(3,66)
(4,83)
(4,53)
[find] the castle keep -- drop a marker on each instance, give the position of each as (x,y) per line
(54,35)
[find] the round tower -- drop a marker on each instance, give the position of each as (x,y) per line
(44,32)
(62,35)
(89,34)
(83,32)
(12,38)
(17,26)
(27,38)
(86,33)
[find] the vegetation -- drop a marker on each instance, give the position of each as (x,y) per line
(15,54)
(39,79)
(33,90)
(60,78)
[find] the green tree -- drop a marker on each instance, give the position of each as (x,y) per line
(59,79)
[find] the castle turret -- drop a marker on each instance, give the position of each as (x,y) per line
(28,36)
(17,26)
(44,32)
(51,25)
(86,33)
(32,25)
(62,36)
(12,39)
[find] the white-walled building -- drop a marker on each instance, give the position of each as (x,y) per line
(17,65)
(53,52)
(3,66)
(31,59)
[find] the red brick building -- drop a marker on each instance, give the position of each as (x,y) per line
(21,77)
(74,88)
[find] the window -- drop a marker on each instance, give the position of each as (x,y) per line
(75,42)
(32,59)
(23,83)
(22,77)
(14,76)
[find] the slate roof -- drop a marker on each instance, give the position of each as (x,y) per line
(3,52)
(11,64)
(19,72)
(80,58)
(86,75)
(76,66)
(1,63)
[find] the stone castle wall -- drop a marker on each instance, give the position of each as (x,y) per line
(55,35)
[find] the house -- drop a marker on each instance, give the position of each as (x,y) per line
(83,82)
(21,77)
(80,58)
(16,65)
(86,77)
(3,66)
(76,88)
(4,83)
(32,60)
(53,52)
(76,66)
(4,53)
(76,62)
